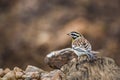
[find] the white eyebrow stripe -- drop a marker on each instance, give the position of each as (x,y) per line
(75,34)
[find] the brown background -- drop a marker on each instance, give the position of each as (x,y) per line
(30,29)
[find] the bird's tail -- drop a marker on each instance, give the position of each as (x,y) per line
(95,52)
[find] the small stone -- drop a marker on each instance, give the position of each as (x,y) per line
(32,72)
(17,69)
(6,70)
(18,72)
(9,76)
(1,72)
(33,69)
(53,75)
(31,75)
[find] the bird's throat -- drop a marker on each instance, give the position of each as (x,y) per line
(73,39)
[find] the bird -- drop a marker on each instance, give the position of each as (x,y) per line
(81,46)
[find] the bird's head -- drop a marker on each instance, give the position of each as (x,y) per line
(74,35)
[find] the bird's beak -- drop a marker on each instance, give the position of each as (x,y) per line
(68,34)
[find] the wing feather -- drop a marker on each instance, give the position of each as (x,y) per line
(82,43)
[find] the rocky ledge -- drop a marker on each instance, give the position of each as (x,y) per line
(67,67)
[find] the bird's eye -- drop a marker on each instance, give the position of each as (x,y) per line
(73,34)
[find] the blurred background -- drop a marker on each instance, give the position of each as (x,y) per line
(30,29)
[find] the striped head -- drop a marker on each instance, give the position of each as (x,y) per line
(74,35)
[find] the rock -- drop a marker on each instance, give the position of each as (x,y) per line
(53,75)
(9,76)
(1,72)
(19,75)
(6,70)
(100,69)
(57,59)
(32,72)
(18,72)
(32,75)
(31,68)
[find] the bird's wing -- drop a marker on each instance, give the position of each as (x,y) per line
(82,43)
(80,49)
